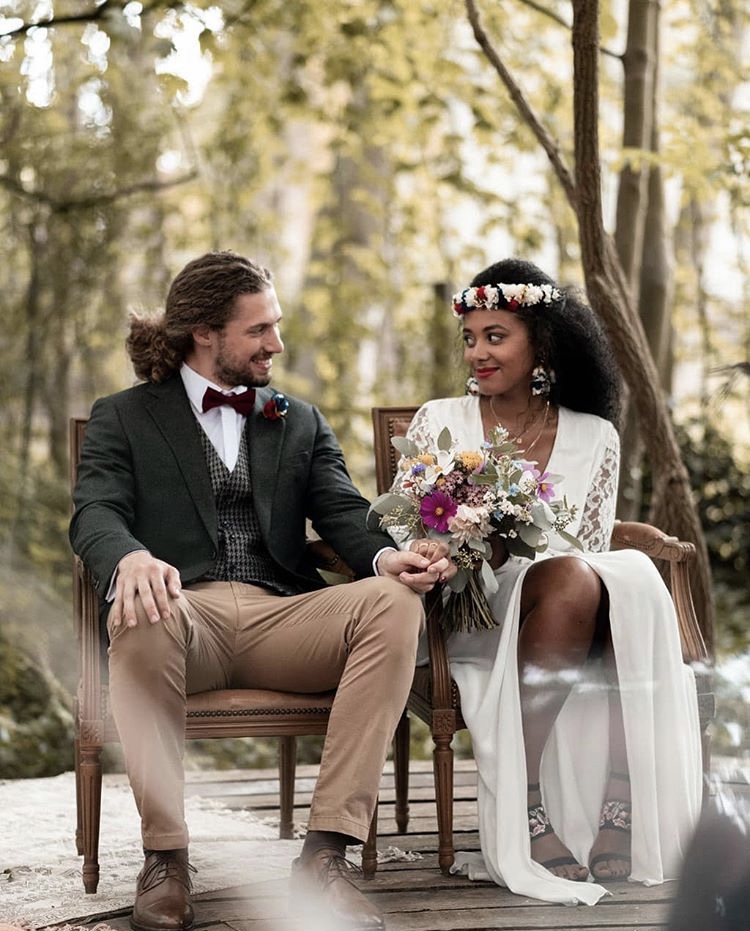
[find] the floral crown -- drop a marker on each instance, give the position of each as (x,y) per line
(503,297)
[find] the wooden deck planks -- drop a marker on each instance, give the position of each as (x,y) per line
(413,895)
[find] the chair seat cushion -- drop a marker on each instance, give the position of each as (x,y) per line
(254,701)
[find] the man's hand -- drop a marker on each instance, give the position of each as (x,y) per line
(140,573)
(420,567)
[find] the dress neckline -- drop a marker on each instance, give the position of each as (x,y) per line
(561,416)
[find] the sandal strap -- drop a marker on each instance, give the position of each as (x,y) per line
(539,823)
(616,815)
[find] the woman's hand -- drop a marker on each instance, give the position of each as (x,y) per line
(439,556)
(421,567)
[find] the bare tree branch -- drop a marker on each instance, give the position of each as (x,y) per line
(543,137)
(91,16)
(556,18)
(95,200)
(88,17)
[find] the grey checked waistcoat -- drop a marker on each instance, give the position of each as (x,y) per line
(242,554)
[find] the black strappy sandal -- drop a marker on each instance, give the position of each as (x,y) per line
(616,815)
(540,826)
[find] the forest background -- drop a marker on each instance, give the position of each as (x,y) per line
(375,154)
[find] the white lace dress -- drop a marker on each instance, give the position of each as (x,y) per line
(657,689)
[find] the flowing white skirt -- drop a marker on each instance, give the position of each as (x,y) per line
(661,728)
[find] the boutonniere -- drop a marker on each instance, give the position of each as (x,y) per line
(276,406)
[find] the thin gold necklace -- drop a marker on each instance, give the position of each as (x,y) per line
(517,437)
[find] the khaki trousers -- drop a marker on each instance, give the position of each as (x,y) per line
(359,638)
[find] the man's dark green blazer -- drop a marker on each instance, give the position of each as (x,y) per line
(143,483)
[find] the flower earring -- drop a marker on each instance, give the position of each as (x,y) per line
(472,386)
(542,381)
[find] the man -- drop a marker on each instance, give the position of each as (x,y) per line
(190,507)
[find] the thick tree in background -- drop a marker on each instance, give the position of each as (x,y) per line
(672,506)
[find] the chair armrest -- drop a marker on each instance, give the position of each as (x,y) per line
(651,541)
(678,553)
(323,556)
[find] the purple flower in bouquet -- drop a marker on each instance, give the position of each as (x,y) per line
(436,510)
(545,488)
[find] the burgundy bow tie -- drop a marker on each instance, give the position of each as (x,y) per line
(243,403)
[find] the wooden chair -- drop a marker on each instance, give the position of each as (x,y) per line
(222,713)
(434,696)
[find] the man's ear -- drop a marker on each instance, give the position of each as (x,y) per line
(202,335)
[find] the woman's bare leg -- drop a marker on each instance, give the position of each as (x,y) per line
(560,602)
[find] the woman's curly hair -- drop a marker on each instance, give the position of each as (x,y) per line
(204,292)
(568,339)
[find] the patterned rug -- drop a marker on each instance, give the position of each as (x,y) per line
(40,871)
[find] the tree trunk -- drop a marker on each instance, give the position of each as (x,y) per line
(632,205)
(672,503)
(639,79)
(672,506)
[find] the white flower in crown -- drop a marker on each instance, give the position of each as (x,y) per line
(515,292)
(491,296)
(510,296)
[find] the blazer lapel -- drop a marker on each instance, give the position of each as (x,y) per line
(265,439)
(170,408)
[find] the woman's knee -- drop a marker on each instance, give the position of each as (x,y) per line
(566,583)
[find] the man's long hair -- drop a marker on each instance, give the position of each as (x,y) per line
(204,292)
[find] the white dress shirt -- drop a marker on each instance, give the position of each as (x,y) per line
(223,425)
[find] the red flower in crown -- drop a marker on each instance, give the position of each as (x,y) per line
(276,407)
(513,304)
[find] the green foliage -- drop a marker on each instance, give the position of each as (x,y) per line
(721,486)
(36,727)
(722,490)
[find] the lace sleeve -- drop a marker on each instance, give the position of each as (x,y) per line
(598,516)
(419,432)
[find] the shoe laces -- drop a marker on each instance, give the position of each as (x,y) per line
(162,865)
(335,866)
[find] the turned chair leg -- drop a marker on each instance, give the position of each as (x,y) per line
(79,800)
(90,771)
(370,849)
(401,772)
(287,769)
(442,759)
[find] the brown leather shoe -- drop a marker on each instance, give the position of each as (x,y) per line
(162,894)
(322,882)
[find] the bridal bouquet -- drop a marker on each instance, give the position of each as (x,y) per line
(464,497)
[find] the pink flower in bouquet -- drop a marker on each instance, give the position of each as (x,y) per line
(544,486)
(436,510)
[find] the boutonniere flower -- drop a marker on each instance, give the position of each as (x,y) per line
(276,407)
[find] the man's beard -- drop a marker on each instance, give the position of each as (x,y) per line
(229,374)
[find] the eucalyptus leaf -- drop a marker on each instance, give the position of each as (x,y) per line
(384,504)
(529,534)
(542,515)
(488,577)
(569,538)
(459,581)
(406,447)
(445,440)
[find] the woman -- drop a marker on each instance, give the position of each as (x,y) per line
(580,709)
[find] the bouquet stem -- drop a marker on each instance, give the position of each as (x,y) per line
(468,609)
